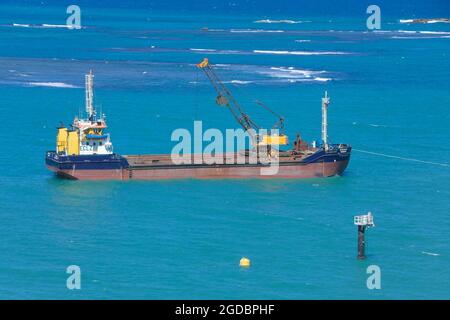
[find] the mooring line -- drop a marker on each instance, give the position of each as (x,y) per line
(402,158)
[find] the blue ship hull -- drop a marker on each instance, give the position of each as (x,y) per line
(86,162)
(321,163)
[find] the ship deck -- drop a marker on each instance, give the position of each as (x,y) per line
(155,160)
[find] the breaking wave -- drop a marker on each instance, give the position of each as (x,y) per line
(406,34)
(291,74)
(255,31)
(51,84)
(429,21)
(203,50)
(322,79)
(259,74)
(301,53)
(280,21)
(430,253)
(21,25)
(412,38)
(215,51)
(238,82)
(65,74)
(435,32)
(45,26)
(274,52)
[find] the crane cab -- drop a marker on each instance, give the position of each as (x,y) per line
(274,139)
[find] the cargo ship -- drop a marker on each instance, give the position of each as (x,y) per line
(84,150)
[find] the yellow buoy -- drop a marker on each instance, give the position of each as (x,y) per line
(244,262)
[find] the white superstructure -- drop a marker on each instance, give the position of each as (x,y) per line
(93,140)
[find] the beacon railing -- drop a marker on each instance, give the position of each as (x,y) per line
(364,220)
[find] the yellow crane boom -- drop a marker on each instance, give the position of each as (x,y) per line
(225,98)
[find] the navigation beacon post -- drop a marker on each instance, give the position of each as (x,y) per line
(363,222)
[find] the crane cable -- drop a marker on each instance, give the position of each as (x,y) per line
(280,121)
(196,94)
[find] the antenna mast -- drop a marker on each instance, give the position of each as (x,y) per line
(90,95)
(325,103)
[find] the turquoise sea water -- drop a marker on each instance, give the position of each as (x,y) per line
(184,239)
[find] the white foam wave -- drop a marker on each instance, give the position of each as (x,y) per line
(439,21)
(301,53)
(430,253)
(322,79)
(274,52)
(411,38)
(21,25)
(292,75)
(421,34)
(46,25)
(318,79)
(435,32)
(291,72)
(203,50)
(238,82)
(214,51)
(280,21)
(413,32)
(255,31)
(51,84)
(429,21)
(302,40)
